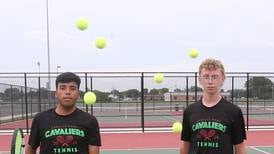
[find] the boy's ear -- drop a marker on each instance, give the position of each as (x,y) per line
(224,77)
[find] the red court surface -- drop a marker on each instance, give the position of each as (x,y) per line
(154,140)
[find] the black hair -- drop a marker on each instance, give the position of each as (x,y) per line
(68,77)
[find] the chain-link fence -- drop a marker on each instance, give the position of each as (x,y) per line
(133,99)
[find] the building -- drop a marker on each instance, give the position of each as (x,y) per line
(149,97)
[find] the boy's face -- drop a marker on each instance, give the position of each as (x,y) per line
(211,80)
(67,94)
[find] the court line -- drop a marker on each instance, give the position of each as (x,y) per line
(171,118)
(139,149)
(252,147)
(128,130)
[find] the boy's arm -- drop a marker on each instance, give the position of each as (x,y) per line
(240,148)
(93,149)
(29,150)
(184,147)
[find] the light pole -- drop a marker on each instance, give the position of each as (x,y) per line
(48,49)
(38,64)
(57,68)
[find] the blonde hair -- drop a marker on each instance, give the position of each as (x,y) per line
(212,64)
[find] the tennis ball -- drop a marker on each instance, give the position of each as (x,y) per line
(89,98)
(177,127)
(193,53)
(158,78)
(100,42)
(82,23)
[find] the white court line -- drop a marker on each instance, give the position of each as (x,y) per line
(171,118)
(140,149)
(259,150)
(131,130)
(114,131)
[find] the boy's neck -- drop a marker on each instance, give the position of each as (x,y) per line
(211,100)
(64,111)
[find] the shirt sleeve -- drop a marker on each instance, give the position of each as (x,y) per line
(186,132)
(94,133)
(238,128)
(34,138)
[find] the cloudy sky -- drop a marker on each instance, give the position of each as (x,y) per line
(143,35)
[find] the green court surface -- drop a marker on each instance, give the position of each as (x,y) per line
(250,150)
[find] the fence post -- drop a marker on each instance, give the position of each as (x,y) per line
(196,76)
(247,100)
(26,102)
(11,101)
(232,90)
(142,103)
(187,100)
(86,87)
(91,89)
(39,94)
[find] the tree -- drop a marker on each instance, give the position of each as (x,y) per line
(145,90)
(177,90)
(1,95)
(132,93)
(163,90)
(44,93)
(115,92)
(192,89)
(12,93)
(154,91)
(238,93)
(260,87)
(101,96)
(158,91)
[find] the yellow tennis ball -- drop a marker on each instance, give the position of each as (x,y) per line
(177,127)
(100,42)
(158,78)
(193,53)
(82,23)
(89,98)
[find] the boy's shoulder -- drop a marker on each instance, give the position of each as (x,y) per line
(44,114)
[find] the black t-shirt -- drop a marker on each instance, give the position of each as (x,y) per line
(64,134)
(213,130)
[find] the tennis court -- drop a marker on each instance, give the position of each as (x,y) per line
(154,140)
(169,142)
(136,142)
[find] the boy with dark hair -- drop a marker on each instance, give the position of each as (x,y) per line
(65,129)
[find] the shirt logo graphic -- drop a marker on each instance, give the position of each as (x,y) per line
(64,141)
(208,135)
